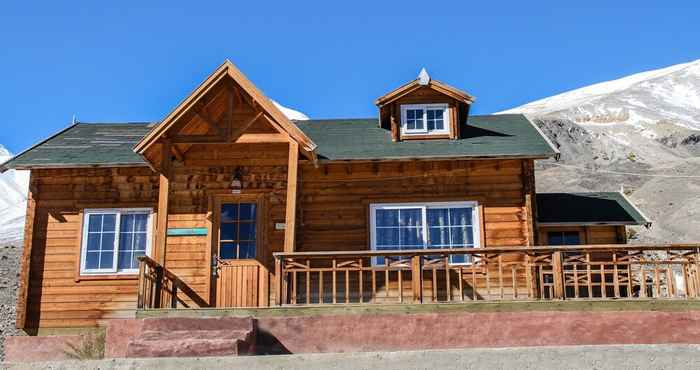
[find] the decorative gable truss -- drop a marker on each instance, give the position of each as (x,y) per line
(225,109)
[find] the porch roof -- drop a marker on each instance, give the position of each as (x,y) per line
(112,144)
(601,208)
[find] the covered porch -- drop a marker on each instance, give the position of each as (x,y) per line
(552,273)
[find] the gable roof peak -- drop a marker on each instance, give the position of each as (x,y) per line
(423,77)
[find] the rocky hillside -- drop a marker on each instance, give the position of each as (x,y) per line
(640,133)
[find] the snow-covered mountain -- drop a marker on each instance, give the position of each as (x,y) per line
(669,94)
(641,132)
(13,201)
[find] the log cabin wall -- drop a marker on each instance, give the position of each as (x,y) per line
(333,213)
(57,295)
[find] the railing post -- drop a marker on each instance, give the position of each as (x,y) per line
(142,285)
(158,291)
(173,296)
(417,278)
(558,274)
(278,280)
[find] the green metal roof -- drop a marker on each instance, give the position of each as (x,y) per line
(503,135)
(111,144)
(85,145)
(587,209)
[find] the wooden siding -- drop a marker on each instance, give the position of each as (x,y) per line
(57,295)
(334,198)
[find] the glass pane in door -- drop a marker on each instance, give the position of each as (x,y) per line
(237,231)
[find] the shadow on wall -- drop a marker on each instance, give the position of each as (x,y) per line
(268,344)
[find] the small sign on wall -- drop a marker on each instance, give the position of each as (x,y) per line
(280,225)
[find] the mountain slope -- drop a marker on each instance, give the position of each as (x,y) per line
(640,132)
(13,202)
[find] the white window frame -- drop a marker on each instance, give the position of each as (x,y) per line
(424,131)
(118,212)
(424,206)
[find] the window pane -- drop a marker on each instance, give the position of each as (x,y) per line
(127,223)
(92,260)
(107,242)
(247,231)
(106,260)
(247,250)
(438,217)
(95,223)
(439,125)
(124,261)
(135,262)
(387,217)
(431,114)
(419,123)
(125,241)
(227,251)
(411,238)
(438,114)
(109,222)
(571,238)
(411,124)
(229,231)
(141,222)
(461,216)
(439,236)
(229,212)
(410,114)
(140,241)
(93,242)
(462,236)
(410,217)
(555,238)
(387,237)
(247,211)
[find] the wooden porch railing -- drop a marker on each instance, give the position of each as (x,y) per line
(508,273)
(160,288)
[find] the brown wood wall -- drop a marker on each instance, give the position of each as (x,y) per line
(56,296)
(335,198)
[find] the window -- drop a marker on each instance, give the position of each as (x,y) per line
(563,238)
(113,239)
(425,119)
(237,233)
(424,226)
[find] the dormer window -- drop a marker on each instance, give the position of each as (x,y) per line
(425,119)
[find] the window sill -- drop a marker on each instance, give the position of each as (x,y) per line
(424,136)
(125,276)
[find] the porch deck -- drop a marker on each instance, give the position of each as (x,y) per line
(553,273)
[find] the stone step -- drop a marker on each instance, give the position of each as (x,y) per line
(168,324)
(244,335)
(187,348)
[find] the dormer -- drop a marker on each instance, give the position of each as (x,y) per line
(424,109)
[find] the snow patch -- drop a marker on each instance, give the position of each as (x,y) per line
(292,114)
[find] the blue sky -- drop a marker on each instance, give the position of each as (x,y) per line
(136,61)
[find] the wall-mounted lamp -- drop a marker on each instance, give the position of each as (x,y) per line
(236,181)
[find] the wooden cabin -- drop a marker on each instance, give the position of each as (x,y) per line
(228,203)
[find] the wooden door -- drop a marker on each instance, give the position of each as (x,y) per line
(241,280)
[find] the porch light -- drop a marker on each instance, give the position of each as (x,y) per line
(236,183)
